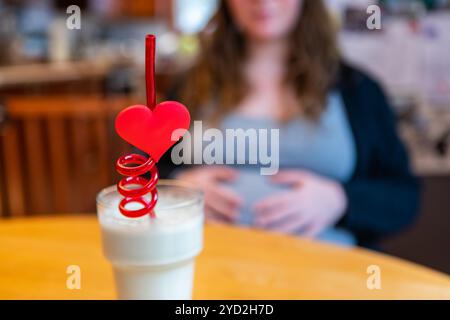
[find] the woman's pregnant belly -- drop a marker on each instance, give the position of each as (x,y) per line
(253,187)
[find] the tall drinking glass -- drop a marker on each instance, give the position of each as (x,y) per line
(153,258)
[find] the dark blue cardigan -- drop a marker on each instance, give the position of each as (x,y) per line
(383,195)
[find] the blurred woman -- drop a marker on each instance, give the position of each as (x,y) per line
(344,174)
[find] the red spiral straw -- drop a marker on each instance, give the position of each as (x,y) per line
(133,177)
(133,166)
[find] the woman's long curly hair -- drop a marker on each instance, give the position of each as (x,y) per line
(312,63)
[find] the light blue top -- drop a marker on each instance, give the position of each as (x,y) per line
(325,147)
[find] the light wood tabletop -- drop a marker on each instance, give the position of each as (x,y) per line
(236,264)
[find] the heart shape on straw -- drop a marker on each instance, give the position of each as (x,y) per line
(153,131)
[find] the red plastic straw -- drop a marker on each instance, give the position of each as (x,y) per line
(150,70)
(141,165)
(132,166)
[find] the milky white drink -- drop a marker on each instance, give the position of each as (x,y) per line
(153,258)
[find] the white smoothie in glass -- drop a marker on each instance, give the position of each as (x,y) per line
(153,257)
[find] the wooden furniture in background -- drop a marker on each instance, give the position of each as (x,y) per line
(162,10)
(72,77)
(54,73)
(56,152)
(137,8)
(236,263)
(2,191)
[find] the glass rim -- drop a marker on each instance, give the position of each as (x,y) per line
(197,194)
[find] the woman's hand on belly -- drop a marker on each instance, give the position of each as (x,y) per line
(312,204)
(222,204)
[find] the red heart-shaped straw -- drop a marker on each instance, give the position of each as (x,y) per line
(153,129)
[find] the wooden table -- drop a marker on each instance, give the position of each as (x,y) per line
(236,263)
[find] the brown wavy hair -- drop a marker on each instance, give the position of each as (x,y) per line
(312,63)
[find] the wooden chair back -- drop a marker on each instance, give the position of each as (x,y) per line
(57,152)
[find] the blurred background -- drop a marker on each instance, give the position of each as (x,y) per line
(60,90)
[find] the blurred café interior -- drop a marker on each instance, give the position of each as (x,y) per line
(60,90)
